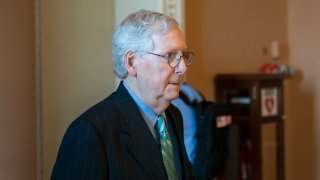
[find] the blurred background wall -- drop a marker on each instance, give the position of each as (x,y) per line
(235,37)
(76,66)
(17,90)
(74,46)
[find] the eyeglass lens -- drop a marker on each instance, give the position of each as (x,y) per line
(174,58)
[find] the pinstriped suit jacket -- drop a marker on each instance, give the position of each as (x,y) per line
(112,141)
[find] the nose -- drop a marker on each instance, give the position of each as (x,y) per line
(181,68)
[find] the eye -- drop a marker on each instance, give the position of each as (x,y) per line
(169,55)
(185,55)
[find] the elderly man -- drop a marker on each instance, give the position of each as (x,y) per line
(135,133)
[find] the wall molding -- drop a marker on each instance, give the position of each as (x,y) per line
(39,119)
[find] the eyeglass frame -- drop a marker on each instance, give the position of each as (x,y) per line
(175,59)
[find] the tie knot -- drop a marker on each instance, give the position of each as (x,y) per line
(161,128)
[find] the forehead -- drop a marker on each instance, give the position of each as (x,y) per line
(173,40)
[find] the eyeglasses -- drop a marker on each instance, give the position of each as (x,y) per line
(174,58)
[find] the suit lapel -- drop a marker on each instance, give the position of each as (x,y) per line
(178,128)
(176,124)
(141,144)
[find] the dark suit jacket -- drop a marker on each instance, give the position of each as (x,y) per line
(112,141)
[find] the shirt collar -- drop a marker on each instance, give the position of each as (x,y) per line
(148,114)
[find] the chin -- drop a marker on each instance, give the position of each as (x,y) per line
(172,92)
(172,96)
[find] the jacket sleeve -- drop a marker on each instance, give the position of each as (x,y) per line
(81,154)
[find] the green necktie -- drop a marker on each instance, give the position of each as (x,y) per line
(166,149)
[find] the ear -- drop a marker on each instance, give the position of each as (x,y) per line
(129,61)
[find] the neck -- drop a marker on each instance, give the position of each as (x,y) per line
(160,107)
(158,104)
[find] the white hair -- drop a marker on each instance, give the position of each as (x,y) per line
(135,34)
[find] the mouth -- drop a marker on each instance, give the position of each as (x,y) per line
(175,83)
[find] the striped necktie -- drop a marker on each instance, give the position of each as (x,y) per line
(166,149)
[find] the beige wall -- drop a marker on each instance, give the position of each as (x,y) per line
(76,65)
(304,132)
(17,91)
(76,69)
(228,37)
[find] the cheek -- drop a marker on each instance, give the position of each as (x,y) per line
(149,78)
(166,76)
(169,83)
(155,76)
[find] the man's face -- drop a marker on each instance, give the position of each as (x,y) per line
(156,80)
